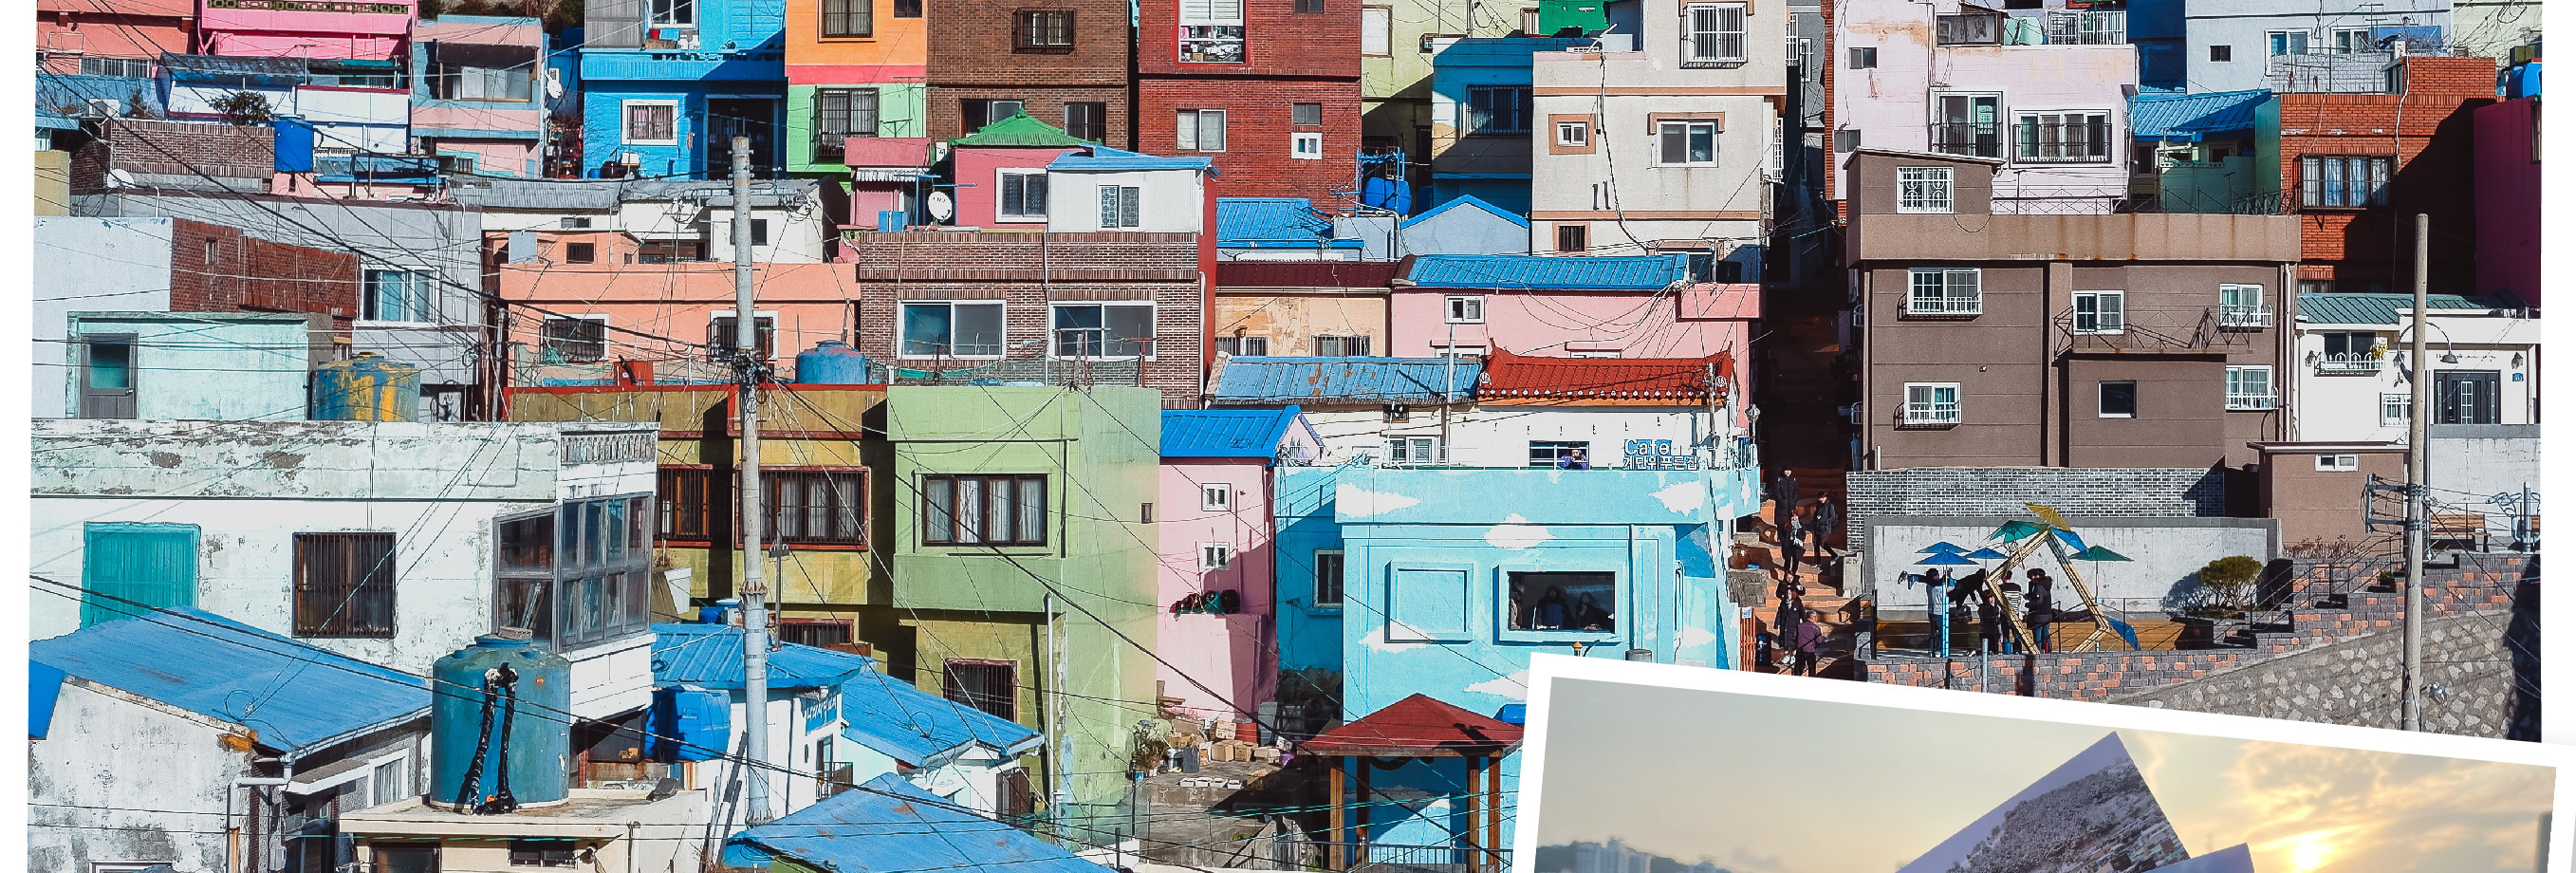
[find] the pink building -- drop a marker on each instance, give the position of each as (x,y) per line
(478,93)
(610,295)
(362,30)
(886,174)
(2508,198)
(1604,307)
(1001,173)
(111,37)
(1218,624)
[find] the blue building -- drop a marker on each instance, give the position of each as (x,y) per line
(1480,117)
(667,85)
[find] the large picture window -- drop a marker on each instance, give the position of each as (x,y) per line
(952,330)
(1562,601)
(1104,330)
(991,510)
(579,575)
(344,585)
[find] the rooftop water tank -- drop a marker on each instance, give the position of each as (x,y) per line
(832,362)
(366,388)
(689,724)
(500,726)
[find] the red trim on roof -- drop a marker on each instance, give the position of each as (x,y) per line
(1306,274)
(1418,727)
(1508,376)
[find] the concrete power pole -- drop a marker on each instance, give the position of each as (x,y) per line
(754,591)
(2411,705)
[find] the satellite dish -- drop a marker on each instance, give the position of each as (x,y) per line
(122,178)
(942,206)
(554,83)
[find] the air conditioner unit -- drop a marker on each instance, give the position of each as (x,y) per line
(104,107)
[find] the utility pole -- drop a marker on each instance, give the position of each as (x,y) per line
(2411,705)
(747,367)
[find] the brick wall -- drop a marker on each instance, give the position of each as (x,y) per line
(172,148)
(2429,131)
(972,56)
(246,274)
(1043,102)
(1255,162)
(2152,492)
(1278,41)
(1029,271)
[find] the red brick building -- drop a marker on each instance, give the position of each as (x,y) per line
(2417,147)
(220,269)
(1064,62)
(1270,89)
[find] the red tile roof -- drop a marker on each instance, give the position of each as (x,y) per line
(1418,727)
(1514,376)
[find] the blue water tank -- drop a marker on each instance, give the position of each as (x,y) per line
(689,724)
(832,362)
(471,750)
(366,388)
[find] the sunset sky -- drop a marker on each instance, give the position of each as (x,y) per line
(1777,785)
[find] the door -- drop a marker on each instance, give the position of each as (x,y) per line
(1015,799)
(729,118)
(107,376)
(129,568)
(406,858)
(2470,397)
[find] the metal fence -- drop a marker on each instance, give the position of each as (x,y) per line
(1394,858)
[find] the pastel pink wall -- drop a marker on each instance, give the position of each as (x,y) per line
(2508,180)
(110,29)
(1691,323)
(976,192)
(375,36)
(1227,652)
(670,300)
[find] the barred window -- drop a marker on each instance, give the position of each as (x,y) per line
(849,17)
(2343,182)
(344,585)
(2066,137)
(1043,30)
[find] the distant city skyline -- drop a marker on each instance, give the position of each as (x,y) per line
(1779,785)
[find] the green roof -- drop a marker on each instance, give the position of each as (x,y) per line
(2381,308)
(1020,131)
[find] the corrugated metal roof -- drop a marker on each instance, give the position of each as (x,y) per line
(1104,159)
(1274,222)
(1510,375)
(497,192)
(1419,725)
(890,826)
(2381,308)
(2189,117)
(1020,131)
(71,93)
(1467,201)
(710,656)
(919,728)
(296,696)
(1226,433)
(1624,273)
(1266,380)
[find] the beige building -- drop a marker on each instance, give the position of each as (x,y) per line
(1302,308)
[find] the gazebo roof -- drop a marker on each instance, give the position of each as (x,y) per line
(1419,727)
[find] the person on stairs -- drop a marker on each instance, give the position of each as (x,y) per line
(1791,549)
(1784,502)
(1821,522)
(1808,637)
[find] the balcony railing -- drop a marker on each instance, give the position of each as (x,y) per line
(2245,317)
(1388,858)
(1947,304)
(1983,140)
(2252,401)
(1935,415)
(2357,363)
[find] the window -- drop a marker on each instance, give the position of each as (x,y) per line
(580,253)
(128,568)
(1215,556)
(2118,400)
(2350,352)
(1087,121)
(989,686)
(1199,130)
(1544,453)
(1939,291)
(2349,40)
(472,73)
(1145,514)
(818,507)
(670,13)
(1573,238)
(1923,189)
(841,113)
(1375,24)
(2466,397)
(1562,601)
(391,781)
(405,858)
(1042,30)
(984,510)
(1497,110)
(1687,143)
(1972,28)
(2287,42)
(907,8)
(1104,330)
(1969,125)
(1216,498)
(127,68)
(2393,408)
(1465,310)
(576,339)
(1211,31)
(721,336)
(2242,306)
(2221,54)
(652,122)
(849,18)
(396,295)
(1121,206)
(1931,404)
(2338,463)
(2063,137)
(2343,182)
(1239,346)
(1022,195)
(1306,146)
(1864,58)
(1330,346)
(1413,450)
(1328,579)
(952,330)
(107,375)
(979,114)
(1700,266)
(1309,7)
(1306,114)
(2249,387)
(1574,134)
(579,575)
(1529,23)
(1715,36)
(814,633)
(2099,312)
(541,853)
(695,507)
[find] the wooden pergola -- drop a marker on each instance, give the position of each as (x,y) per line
(1420,727)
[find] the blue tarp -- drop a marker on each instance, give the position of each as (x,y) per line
(44,686)
(919,728)
(710,656)
(1225,433)
(296,696)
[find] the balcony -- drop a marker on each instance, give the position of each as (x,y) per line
(1946,305)
(2241,402)
(2355,364)
(1973,139)
(2245,318)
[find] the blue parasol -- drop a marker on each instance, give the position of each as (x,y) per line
(1987,554)
(1943,547)
(1946,559)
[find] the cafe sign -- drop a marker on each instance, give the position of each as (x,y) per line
(1659,455)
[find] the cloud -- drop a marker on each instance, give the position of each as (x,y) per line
(1376,639)
(1516,533)
(1697,636)
(1358,502)
(1683,497)
(1515,686)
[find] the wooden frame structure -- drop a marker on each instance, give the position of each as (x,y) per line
(1421,728)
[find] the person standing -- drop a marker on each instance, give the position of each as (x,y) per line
(1791,549)
(2008,612)
(1574,459)
(1821,522)
(2043,607)
(1935,585)
(1989,625)
(1784,501)
(1809,637)
(1786,620)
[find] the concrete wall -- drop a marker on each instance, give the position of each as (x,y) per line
(2317,507)
(107,750)
(90,264)
(1552,323)
(1171,201)
(2244,28)
(1292,321)
(2470,463)
(2074,492)
(2165,555)
(210,366)
(1229,653)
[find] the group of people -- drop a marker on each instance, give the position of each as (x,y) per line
(1976,611)
(1797,527)
(1797,632)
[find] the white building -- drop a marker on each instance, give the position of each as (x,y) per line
(676,219)
(1125,191)
(2351,383)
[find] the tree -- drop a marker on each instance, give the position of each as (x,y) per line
(2232,579)
(244,108)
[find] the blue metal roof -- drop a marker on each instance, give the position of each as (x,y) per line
(2189,117)
(919,728)
(44,687)
(1226,433)
(1628,273)
(1274,222)
(296,696)
(2381,308)
(1104,159)
(890,826)
(1470,201)
(710,656)
(1293,380)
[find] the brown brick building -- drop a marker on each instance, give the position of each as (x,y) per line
(2420,142)
(220,269)
(1271,90)
(1049,57)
